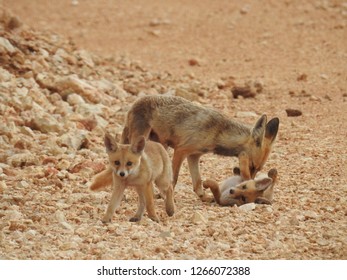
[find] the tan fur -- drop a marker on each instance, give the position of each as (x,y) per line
(193,130)
(139,165)
(234,191)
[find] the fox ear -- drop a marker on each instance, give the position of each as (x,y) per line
(139,145)
(236,171)
(272,174)
(258,130)
(272,129)
(110,143)
(263,184)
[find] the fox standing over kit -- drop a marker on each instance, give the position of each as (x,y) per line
(193,130)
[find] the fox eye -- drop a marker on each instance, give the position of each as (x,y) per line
(243,198)
(244,187)
(129,163)
(117,162)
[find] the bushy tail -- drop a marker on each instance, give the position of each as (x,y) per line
(214,187)
(102,180)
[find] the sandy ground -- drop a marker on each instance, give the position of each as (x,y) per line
(110,52)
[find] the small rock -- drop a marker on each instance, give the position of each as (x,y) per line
(75,99)
(165,234)
(13,215)
(6,46)
(74,140)
(3,186)
(302,78)
(198,218)
(309,214)
(23,159)
(315,98)
(194,62)
(22,184)
(246,114)
(293,112)
(62,220)
(45,123)
(245,92)
(13,23)
(186,94)
(245,9)
(247,207)
(96,167)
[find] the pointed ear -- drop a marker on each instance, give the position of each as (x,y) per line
(236,171)
(263,184)
(272,174)
(262,200)
(110,143)
(272,129)
(139,145)
(258,130)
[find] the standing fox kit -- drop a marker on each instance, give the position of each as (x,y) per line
(192,130)
(235,191)
(139,164)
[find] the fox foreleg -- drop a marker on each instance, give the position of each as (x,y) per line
(115,201)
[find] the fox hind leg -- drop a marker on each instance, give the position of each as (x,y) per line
(194,169)
(178,158)
(150,202)
(166,192)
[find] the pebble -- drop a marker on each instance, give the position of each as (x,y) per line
(247,207)
(198,218)
(293,112)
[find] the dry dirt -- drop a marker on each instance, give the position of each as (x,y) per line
(69,69)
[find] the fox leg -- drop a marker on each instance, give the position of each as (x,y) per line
(194,169)
(178,158)
(150,202)
(169,201)
(141,206)
(214,187)
(166,191)
(244,166)
(115,201)
(101,180)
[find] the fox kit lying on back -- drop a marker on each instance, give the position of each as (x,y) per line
(140,165)
(235,191)
(192,130)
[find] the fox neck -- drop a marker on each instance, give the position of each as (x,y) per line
(233,140)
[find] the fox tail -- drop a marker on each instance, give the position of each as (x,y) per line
(101,180)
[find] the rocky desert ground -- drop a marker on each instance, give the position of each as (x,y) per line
(71,69)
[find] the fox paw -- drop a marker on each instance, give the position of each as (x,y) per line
(154,219)
(106,220)
(135,219)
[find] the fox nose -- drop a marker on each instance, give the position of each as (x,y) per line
(122,173)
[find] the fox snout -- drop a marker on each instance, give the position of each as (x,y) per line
(122,173)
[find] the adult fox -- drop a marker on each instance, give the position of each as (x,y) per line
(193,130)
